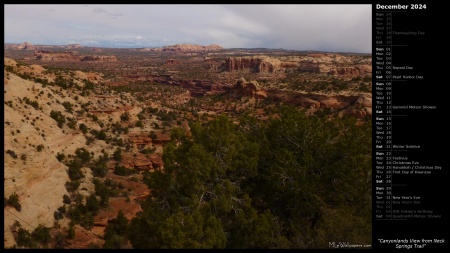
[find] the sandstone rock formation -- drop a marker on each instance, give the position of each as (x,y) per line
(84,238)
(254,64)
(360,70)
(191,48)
(330,64)
(38,178)
(333,64)
(99,58)
(26,46)
(139,162)
(249,89)
(161,139)
(365,101)
(46,55)
(312,67)
(322,101)
(35,174)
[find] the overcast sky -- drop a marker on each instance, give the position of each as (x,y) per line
(339,28)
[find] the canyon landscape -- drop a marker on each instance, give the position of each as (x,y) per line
(185,146)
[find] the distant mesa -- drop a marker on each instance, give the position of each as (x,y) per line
(329,64)
(99,58)
(29,46)
(26,46)
(73,46)
(185,48)
(352,71)
(47,55)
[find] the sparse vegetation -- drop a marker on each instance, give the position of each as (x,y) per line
(23,157)
(33,103)
(117,154)
(115,232)
(11,153)
(125,117)
(148,150)
(13,200)
(99,168)
(66,199)
(139,124)
(24,239)
(83,128)
(75,172)
(41,235)
(71,123)
(60,157)
(83,154)
(58,117)
(122,171)
(40,147)
(72,186)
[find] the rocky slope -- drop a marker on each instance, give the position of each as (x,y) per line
(36,176)
(33,139)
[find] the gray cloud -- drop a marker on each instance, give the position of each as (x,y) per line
(298,27)
(98,10)
(115,15)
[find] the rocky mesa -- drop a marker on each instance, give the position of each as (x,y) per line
(185,48)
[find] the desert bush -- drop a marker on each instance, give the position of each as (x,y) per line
(12,153)
(66,199)
(122,171)
(58,117)
(75,172)
(60,157)
(24,239)
(23,157)
(117,155)
(13,201)
(72,186)
(83,154)
(40,147)
(83,128)
(41,235)
(125,116)
(148,150)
